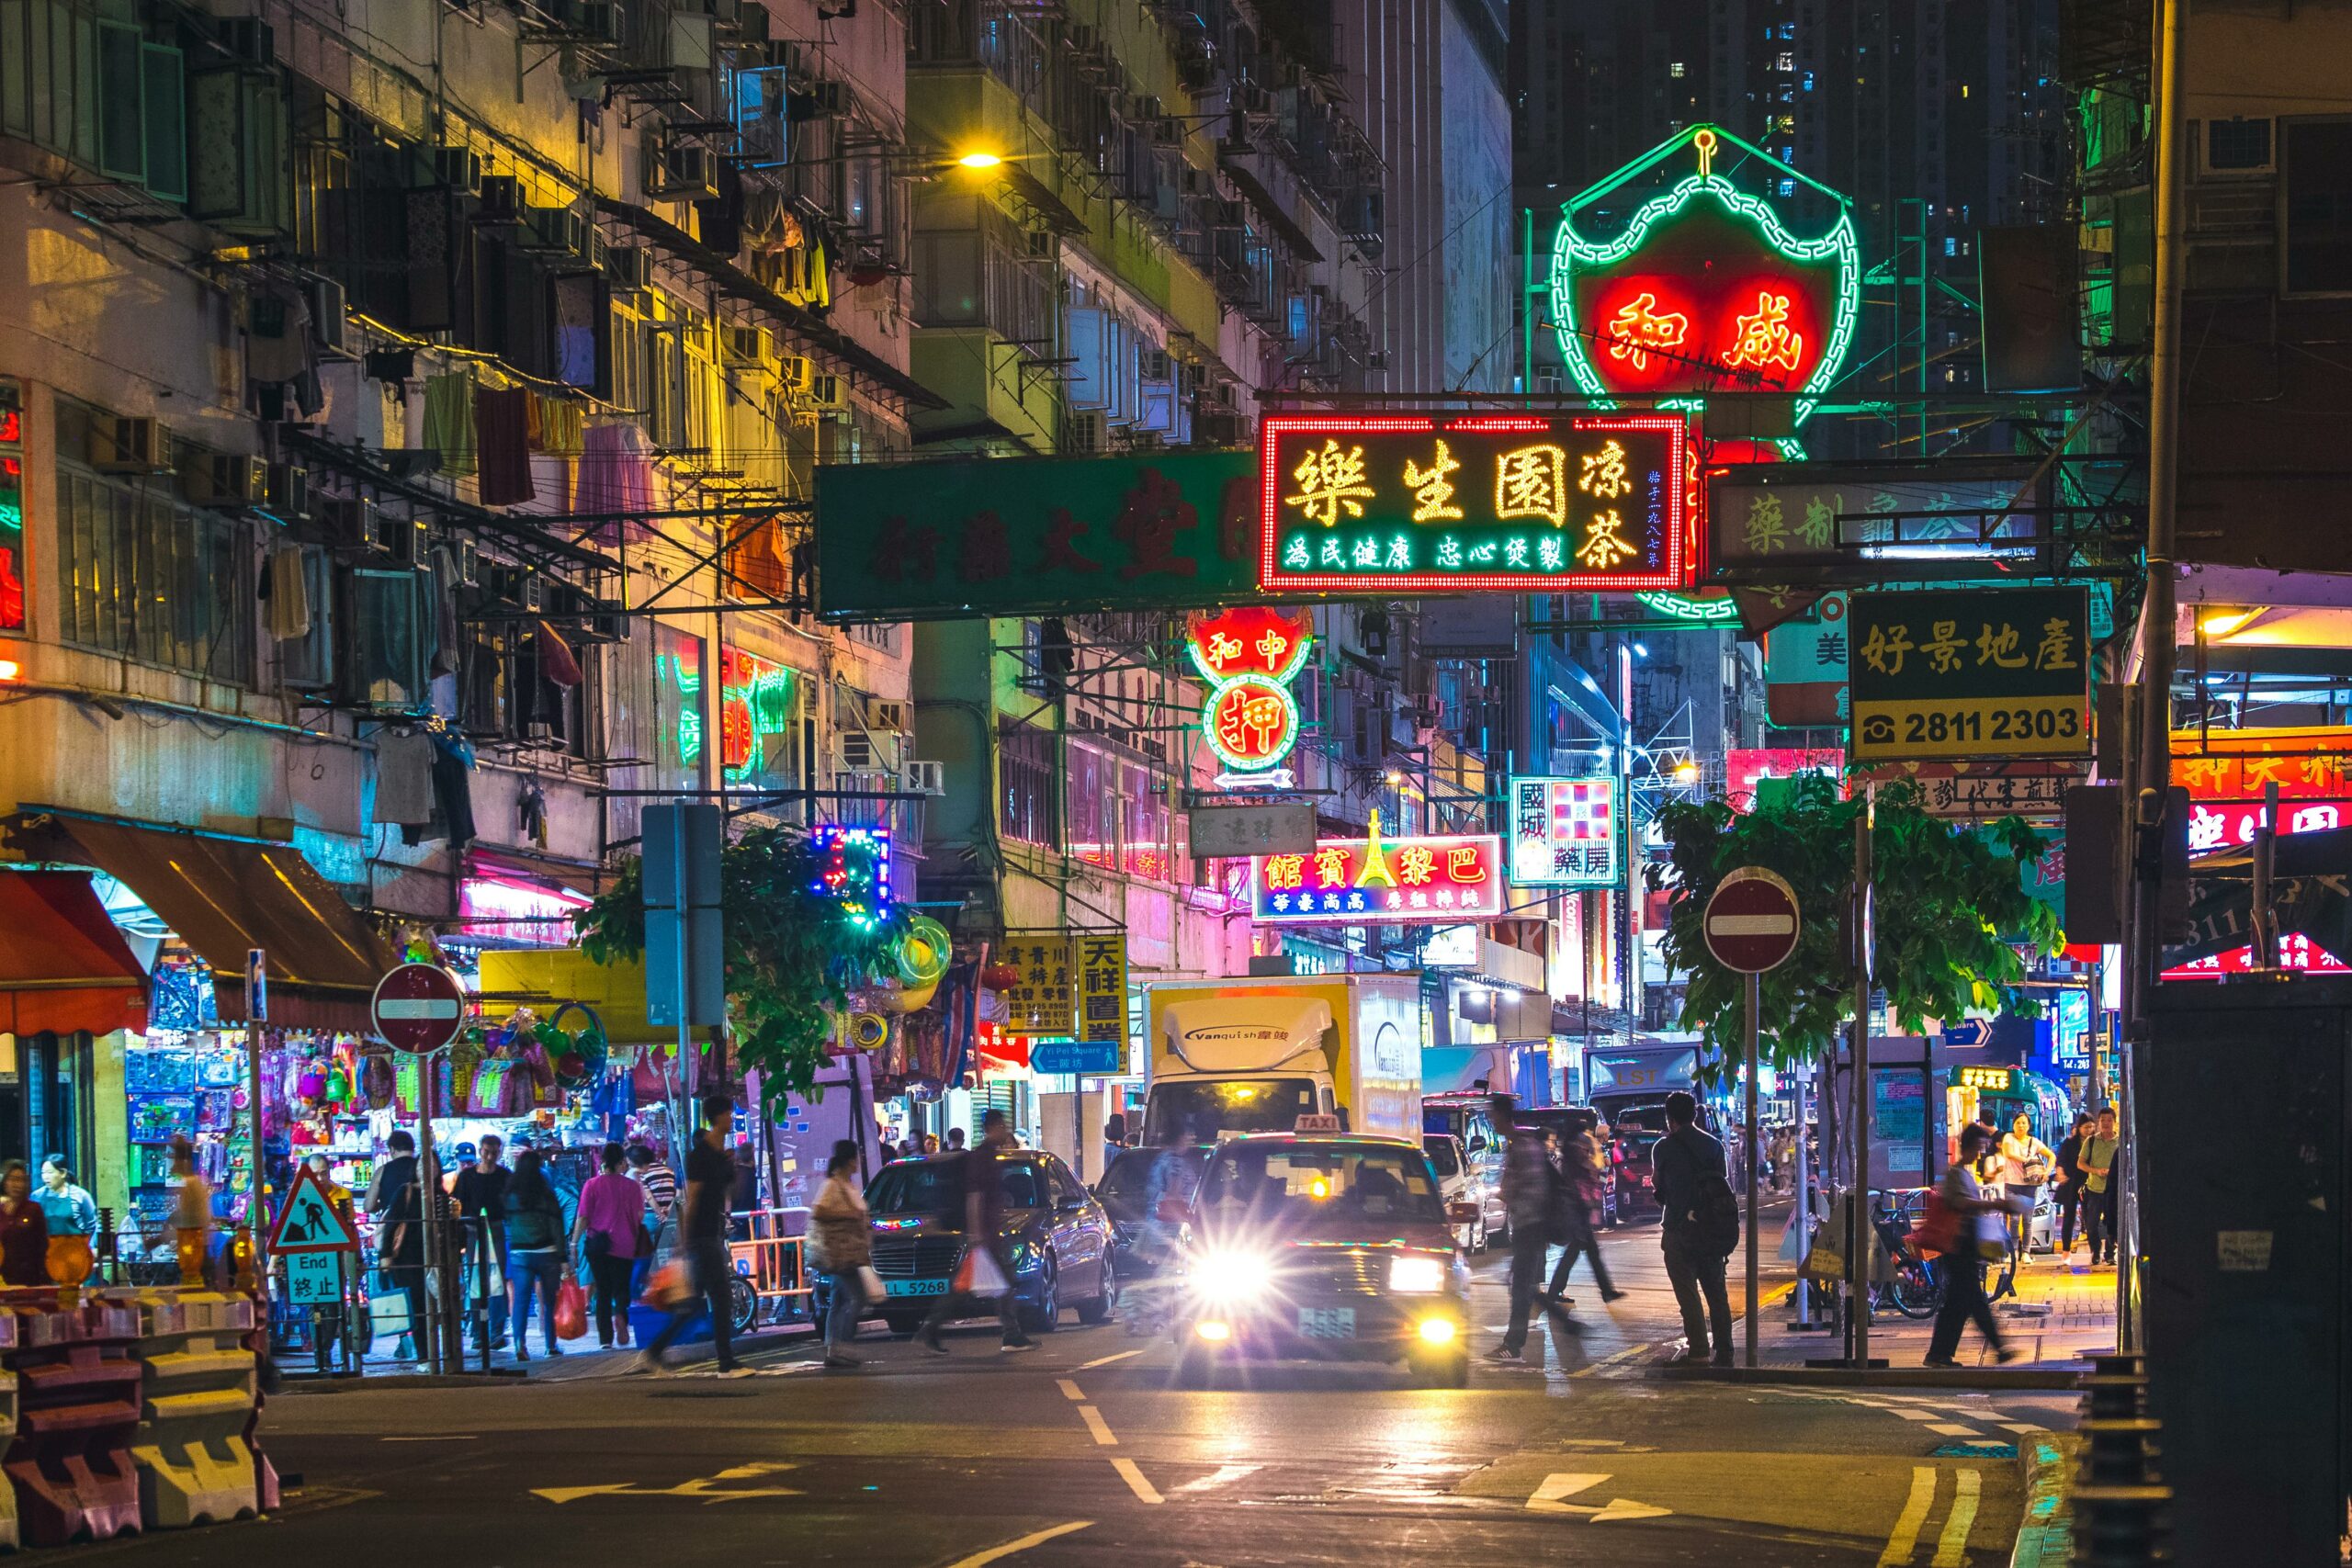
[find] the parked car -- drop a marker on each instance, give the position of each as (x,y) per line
(1058,1234)
(1131,1190)
(1462,1182)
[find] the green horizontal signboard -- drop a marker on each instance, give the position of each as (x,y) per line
(2000,672)
(1036,535)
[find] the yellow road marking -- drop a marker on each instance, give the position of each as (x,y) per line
(1905,1535)
(1952,1546)
(1069,1390)
(1106,1360)
(1134,1477)
(1096,1425)
(1035,1537)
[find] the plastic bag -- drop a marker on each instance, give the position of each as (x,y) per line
(978,1274)
(571,1309)
(668,1286)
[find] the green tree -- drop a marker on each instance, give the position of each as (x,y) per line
(795,947)
(1947,909)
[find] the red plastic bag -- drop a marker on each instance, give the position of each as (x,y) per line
(571,1309)
(667,1288)
(1938,1229)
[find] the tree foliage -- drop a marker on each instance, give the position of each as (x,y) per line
(794,951)
(1947,906)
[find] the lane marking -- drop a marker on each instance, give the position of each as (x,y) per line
(1952,1546)
(1144,1490)
(703,1490)
(1545,1498)
(1225,1473)
(1106,1360)
(1070,1390)
(1914,1414)
(1905,1535)
(1953,1429)
(449,1438)
(1096,1425)
(1035,1537)
(1591,1368)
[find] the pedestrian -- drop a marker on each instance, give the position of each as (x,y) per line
(2099,1188)
(397,1200)
(68,1208)
(1114,1136)
(24,1229)
(1577,1192)
(1530,1195)
(2070,1182)
(930,1144)
(2025,1171)
(1686,1165)
(983,1205)
(609,1231)
(660,1183)
(841,1228)
(480,1200)
(1962,1264)
(702,1238)
(954,1141)
(535,1249)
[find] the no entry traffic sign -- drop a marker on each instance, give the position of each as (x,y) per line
(1751,922)
(419,1007)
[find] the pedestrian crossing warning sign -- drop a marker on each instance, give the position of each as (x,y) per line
(309,1220)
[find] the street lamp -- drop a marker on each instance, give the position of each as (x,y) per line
(980,158)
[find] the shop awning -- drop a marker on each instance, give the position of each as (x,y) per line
(226,896)
(65,967)
(545,979)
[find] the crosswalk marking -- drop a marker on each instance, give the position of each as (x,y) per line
(1953,1429)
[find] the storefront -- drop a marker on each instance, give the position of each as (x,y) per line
(71,990)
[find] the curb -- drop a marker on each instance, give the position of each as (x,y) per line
(2046,1467)
(311,1385)
(2067,1377)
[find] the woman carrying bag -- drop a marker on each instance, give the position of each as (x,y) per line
(610,1234)
(845,1247)
(535,1246)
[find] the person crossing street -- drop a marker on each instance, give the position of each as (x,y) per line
(983,1195)
(1688,1167)
(1530,1187)
(702,1238)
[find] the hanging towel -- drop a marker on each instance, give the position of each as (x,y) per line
(404,777)
(289,594)
(560,425)
(616,470)
(449,421)
(445,611)
(452,761)
(500,422)
(557,664)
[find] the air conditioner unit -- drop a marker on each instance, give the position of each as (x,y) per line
(797,370)
(610,623)
(1217,429)
(286,490)
(856,749)
(1088,432)
(600,21)
(249,39)
(683,171)
(1156,364)
(753,25)
(782,55)
(403,538)
(1082,37)
(535,591)
(553,231)
(131,446)
(225,482)
(832,98)
(353,524)
(459,168)
(886,712)
(500,200)
(467,552)
(1197,182)
(923,777)
(330,318)
(827,392)
(628,269)
(745,348)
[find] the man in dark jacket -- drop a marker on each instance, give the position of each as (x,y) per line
(1682,1163)
(480,1200)
(983,1223)
(1531,1189)
(2070,1182)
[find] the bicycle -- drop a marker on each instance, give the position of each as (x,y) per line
(1913,1287)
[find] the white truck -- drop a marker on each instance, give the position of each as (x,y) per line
(1255,1055)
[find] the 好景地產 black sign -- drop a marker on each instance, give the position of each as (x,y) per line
(1994,672)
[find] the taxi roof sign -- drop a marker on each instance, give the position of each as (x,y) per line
(309,1221)
(1316,1123)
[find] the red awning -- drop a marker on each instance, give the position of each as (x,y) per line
(63,967)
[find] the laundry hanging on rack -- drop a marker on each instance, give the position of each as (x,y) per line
(449,421)
(500,420)
(558,665)
(280,354)
(555,425)
(404,777)
(289,594)
(616,470)
(445,611)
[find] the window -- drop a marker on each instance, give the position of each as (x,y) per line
(1025,761)
(2319,207)
(143,577)
(2237,146)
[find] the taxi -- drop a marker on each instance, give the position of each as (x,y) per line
(1323,1246)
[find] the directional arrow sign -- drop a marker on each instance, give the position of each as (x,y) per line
(1969,1034)
(1546,1499)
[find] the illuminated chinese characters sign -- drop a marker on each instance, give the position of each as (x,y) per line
(2002,672)
(12,509)
(1381,881)
(1564,832)
(1705,288)
(1248,655)
(1506,502)
(754,715)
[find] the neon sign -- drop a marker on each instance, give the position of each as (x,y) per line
(1704,288)
(755,707)
(1248,655)
(1520,502)
(1381,881)
(854,869)
(1564,832)
(12,510)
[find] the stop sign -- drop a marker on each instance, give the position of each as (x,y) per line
(418,1006)
(1751,922)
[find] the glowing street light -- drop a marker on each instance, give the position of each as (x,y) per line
(980,158)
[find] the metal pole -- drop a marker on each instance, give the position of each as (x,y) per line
(1801,1184)
(428,1192)
(1755,1005)
(1858,1231)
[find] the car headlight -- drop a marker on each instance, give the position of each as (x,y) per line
(1411,1275)
(1227,1275)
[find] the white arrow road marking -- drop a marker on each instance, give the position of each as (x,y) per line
(1905,1533)
(704,1490)
(1225,1474)
(1132,1475)
(1952,1546)
(1568,1483)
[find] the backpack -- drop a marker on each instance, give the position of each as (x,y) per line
(1714,1219)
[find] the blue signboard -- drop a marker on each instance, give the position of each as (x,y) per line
(1090,1058)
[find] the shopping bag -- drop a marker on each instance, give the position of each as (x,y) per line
(1939,1228)
(869,1284)
(978,1274)
(571,1309)
(388,1308)
(668,1286)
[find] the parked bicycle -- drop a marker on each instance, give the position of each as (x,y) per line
(1913,1287)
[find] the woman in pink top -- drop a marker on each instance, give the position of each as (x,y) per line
(609,1229)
